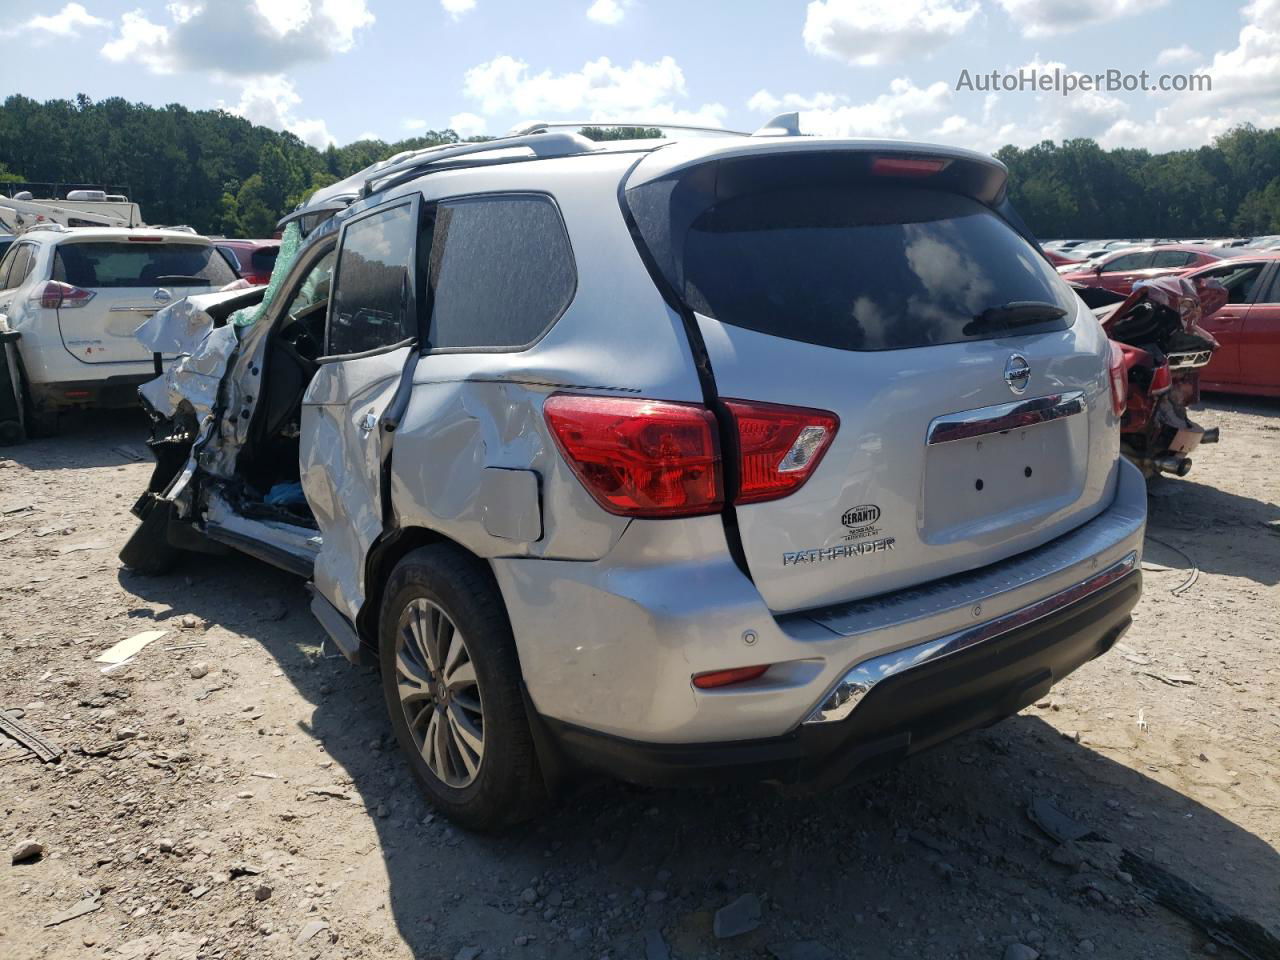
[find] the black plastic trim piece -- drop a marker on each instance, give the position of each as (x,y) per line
(263,551)
(729,452)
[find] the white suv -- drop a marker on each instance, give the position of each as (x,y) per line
(748,457)
(77,294)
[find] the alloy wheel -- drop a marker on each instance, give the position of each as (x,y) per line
(439,693)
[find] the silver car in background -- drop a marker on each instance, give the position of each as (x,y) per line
(746,457)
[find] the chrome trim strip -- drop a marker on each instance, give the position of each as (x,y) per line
(1004,417)
(1188,361)
(859,681)
(155,309)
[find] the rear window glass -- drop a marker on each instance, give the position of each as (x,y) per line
(264,260)
(854,265)
(140,264)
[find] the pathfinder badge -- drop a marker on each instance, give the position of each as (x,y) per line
(840,551)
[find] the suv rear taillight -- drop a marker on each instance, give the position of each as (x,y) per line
(1119,380)
(56,295)
(640,458)
(780,446)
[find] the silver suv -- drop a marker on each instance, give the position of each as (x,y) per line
(762,457)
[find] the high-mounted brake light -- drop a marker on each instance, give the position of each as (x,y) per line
(135,239)
(908,166)
(723,678)
(780,446)
(56,295)
(1119,380)
(640,458)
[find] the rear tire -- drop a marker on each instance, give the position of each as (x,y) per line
(452,683)
(40,421)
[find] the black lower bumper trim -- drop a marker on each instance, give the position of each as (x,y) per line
(901,716)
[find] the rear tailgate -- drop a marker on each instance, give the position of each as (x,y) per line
(815,282)
(130,279)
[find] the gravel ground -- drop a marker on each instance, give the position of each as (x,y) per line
(259,809)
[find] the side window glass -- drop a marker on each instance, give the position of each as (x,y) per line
(1171,258)
(6,266)
(501,271)
(313,293)
(1239,281)
(373,290)
(1272,296)
(1132,261)
(19,266)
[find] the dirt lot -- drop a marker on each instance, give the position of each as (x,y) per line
(260,810)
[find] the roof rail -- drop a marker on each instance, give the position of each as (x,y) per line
(545,125)
(50,225)
(541,144)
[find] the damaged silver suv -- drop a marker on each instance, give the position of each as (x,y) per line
(756,457)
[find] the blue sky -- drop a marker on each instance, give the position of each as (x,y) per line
(337,70)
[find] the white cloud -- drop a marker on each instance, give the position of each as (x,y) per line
(607,12)
(902,112)
(898,113)
(467,125)
(870,32)
(1182,54)
(67,22)
(456,8)
(141,41)
(601,90)
(1246,89)
(411,124)
(272,101)
(239,37)
(1041,18)
(762,101)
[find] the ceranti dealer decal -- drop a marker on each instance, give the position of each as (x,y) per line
(862,539)
(861,521)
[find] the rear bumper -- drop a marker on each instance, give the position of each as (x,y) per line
(904,713)
(610,646)
(114,391)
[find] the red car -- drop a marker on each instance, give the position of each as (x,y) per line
(1119,271)
(252,260)
(1058,260)
(1248,327)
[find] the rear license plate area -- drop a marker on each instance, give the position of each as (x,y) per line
(981,485)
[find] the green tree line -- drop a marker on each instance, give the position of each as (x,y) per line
(222,174)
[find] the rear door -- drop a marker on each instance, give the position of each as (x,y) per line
(1260,338)
(127,279)
(1241,278)
(351,406)
(962,438)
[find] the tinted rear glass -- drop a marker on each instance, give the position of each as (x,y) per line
(856,266)
(140,264)
(264,260)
